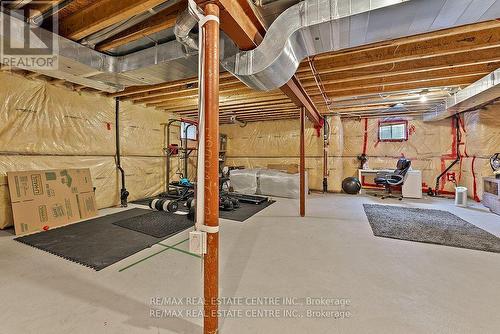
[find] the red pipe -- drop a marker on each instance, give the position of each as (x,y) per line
(365,139)
(475,196)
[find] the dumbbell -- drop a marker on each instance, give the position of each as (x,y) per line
(162,204)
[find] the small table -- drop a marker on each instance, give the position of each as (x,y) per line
(412,187)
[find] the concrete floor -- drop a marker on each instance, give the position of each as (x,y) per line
(391,286)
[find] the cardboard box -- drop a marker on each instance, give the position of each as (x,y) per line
(285,168)
(45,199)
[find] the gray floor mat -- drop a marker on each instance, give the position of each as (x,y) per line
(429,226)
(245,211)
(157,224)
(95,243)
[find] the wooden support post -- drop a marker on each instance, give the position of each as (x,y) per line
(211,210)
(302,164)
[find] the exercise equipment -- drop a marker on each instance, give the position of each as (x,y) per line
(163,204)
(363,159)
(495,164)
(351,185)
(253,199)
(183,151)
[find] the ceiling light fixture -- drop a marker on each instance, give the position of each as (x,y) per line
(423,95)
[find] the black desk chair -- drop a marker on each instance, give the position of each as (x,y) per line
(394,179)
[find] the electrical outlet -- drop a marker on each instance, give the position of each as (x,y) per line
(198,242)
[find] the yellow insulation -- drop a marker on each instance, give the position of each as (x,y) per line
(43,126)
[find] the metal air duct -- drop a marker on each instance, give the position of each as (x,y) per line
(313,27)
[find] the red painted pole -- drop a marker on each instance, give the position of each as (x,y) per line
(302,164)
(211,212)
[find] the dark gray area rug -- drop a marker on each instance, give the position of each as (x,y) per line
(429,226)
(158,224)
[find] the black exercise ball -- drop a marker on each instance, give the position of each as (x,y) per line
(351,185)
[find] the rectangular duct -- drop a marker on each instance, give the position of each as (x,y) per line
(475,96)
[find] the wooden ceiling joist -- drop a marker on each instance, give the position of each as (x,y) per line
(448,45)
(367,80)
(240,102)
(189,93)
(183,83)
(101,15)
(460,82)
(487,60)
(418,82)
(162,20)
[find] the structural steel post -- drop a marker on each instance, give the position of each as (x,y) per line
(211,212)
(302,164)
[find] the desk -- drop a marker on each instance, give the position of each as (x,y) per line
(412,187)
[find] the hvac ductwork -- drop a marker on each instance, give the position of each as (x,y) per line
(314,27)
(84,66)
(475,96)
(306,29)
(184,24)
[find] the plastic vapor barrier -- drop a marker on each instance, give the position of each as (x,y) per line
(259,144)
(43,126)
(279,184)
(244,181)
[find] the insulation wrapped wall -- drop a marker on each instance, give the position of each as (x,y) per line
(277,142)
(261,143)
(429,147)
(482,140)
(43,126)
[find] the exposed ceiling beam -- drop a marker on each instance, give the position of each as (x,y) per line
(487,59)
(102,14)
(178,83)
(16,4)
(241,105)
(239,22)
(388,84)
(449,45)
(240,101)
(178,93)
(470,28)
(460,82)
(162,20)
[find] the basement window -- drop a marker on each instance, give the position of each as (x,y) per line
(191,131)
(389,131)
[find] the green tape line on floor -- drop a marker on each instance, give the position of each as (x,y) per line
(180,250)
(150,256)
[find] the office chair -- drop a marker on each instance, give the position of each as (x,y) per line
(394,179)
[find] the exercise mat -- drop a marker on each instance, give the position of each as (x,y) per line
(428,226)
(95,243)
(245,211)
(158,224)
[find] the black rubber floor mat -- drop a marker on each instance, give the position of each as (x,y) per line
(245,211)
(158,224)
(95,243)
(144,201)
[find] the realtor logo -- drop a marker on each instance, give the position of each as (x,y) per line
(28,35)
